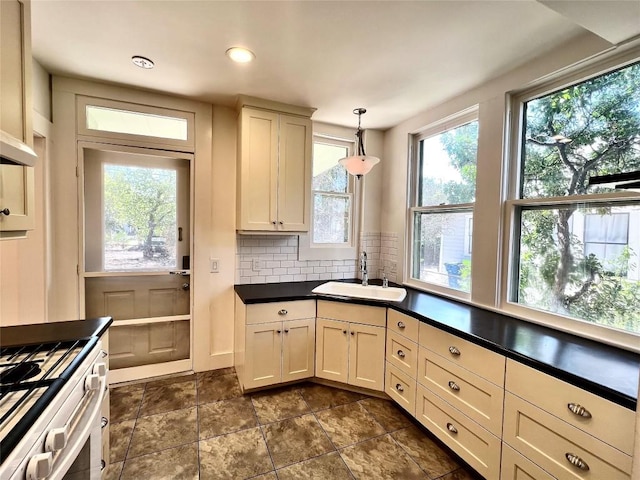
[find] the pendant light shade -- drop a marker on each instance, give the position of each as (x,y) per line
(361,163)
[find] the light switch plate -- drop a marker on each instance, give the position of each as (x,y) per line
(214,265)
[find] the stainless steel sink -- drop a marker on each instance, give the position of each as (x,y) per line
(354,290)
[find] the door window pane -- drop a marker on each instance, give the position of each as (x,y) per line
(140,220)
(439,253)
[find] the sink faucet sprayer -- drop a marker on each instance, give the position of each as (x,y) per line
(363,269)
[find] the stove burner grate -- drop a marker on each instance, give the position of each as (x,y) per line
(18,373)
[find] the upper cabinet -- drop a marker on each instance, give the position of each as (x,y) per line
(274,167)
(16,135)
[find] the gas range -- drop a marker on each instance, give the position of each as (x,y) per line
(51,394)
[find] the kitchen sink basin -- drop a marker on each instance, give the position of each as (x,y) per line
(354,290)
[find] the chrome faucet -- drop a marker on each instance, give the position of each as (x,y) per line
(363,269)
(385,280)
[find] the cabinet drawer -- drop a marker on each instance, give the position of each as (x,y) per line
(353,313)
(468,355)
(401,388)
(478,447)
(474,396)
(517,467)
(279,311)
(605,420)
(403,324)
(402,353)
(551,442)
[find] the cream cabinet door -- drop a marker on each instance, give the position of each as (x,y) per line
(258,170)
(366,356)
(263,354)
(298,347)
(294,174)
(332,349)
(17,196)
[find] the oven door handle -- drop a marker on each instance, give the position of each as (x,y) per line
(94,385)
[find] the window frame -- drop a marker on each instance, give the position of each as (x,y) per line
(436,128)
(513,204)
(310,250)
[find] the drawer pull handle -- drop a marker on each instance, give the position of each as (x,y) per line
(452,428)
(399,387)
(576,461)
(282,312)
(579,410)
(454,386)
(103,465)
(454,351)
(401,354)
(401,325)
(104,421)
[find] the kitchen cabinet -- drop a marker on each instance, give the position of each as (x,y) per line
(460,396)
(402,359)
(274,168)
(566,431)
(276,342)
(350,344)
(17,181)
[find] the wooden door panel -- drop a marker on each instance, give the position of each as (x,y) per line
(263,353)
(366,356)
(298,349)
(332,349)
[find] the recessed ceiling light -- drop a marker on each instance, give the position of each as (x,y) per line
(240,55)
(142,62)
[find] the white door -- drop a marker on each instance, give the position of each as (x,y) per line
(136,263)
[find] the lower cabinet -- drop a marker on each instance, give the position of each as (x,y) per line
(477,446)
(516,467)
(351,352)
(17,200)
(274,342)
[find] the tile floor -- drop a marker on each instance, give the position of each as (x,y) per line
(202,427)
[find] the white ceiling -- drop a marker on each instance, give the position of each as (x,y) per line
(395,58)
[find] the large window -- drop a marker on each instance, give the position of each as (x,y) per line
(576,247)
(444,169)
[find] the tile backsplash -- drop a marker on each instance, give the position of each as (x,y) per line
(274,258)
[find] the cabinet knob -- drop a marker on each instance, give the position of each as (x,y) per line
(579,410)
(454,386)
(5,211)
(352,332)
(281,222)
(576,461)
(282,312)
(401,354)
(454,351)
(273,222)
(399,387)
(286,330)
(401,325)
(452,428)
(344,331)
(279,331)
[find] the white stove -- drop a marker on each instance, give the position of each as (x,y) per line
(50,401)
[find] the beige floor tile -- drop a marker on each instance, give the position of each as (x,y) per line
(162,431)
(427,454)
(124,403)
(236,455)
(386,413)
(329,466)
(114,470)
(349,424)
(320,397)
(295,439)
(179,463)
(226,416)
(216,388)
(119,440)
(168,397)
(381,458)
(273,406)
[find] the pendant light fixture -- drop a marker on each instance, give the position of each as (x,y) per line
(361,163)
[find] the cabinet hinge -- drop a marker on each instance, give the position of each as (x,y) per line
(78,269)
(77,172)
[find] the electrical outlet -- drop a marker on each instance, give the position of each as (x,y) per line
(214,265)
(257,264)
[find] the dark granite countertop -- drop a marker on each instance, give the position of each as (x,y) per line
(53,332)
(604,370)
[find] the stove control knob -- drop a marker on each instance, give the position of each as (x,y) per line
(92,382)
(56,439)
(39,466)
(100,369)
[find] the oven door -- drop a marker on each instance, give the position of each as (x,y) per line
(70,447)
